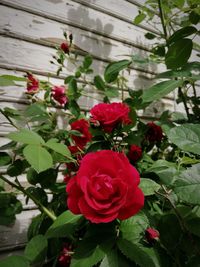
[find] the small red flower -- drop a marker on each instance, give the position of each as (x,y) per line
(110,115)
(154,132)
(81,126)
(32,84)
(151,234)
(65,48)
(135,153)
(64,259)
(58,93)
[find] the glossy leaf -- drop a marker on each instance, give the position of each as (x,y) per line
(58,147)
(115,258)
(38,157)
(16,261)
(143,256)
(148,186)
(36,249)
(5,159)
(186,137)
(134,228)
(99,83)
(64,225)
(180,34)
(139,18)
(178,53)
(159,90)
(113,69)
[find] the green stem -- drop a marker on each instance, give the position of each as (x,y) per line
(25,192)
(182,96)
(162,18)
(11,122)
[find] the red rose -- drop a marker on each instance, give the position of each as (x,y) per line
(32,84)
(81,126)
(151,234)
(154,132)
(105,188)
(58,93)
(64,259)
(65,48)
(135,153)
(110,115)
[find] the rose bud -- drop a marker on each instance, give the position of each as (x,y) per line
(151,235)
(64,259)
(58,93)
(135,153)
(65,48)
(32,84)
(154,132)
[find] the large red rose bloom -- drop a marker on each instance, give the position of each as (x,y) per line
(109,115)
(105,188)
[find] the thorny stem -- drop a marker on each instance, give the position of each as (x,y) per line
(179,216)
(19,187)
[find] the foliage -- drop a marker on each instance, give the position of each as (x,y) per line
(165,152)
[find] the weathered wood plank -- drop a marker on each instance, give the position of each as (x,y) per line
(15,236)
(85,18)
(41,30)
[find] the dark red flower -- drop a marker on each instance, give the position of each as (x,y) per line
(105,188)
(58,93)
(82,126)
(135,153)
(154,132)
(32,84)
(65,47)
(109,115)
(64,259)
(151,234)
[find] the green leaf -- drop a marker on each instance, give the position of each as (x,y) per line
(134,228)
(115,258)
(59,148)
(187,185)
(139,18)
(148,186)
(113,69)
(26,136)
(186,137)
(141,255)
(180,34)
(111,92)
(74,108)
(36,249)
(178,53)
(194,226)
(17,261)
(99,239)
(5,158)
(72,91)
(64,225)
(165,170)
(194,17)
(38,157)
(87,61)
(150,35)
(159,90)
(17,168)
(99,83)
(8,80)
(173,74)
(46,178)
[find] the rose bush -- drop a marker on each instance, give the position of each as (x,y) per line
(112,188)
(105,188)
